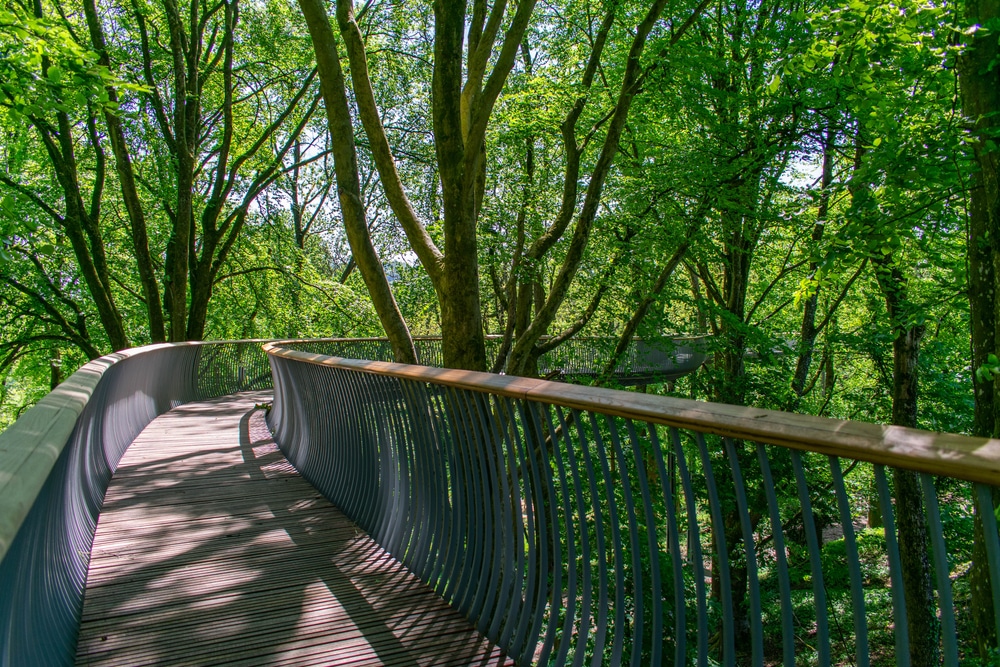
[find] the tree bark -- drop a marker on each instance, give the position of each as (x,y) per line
(80,224)
(185,111)
(911,525)
(979,83)
(809,332)
(130,194)
(345,161)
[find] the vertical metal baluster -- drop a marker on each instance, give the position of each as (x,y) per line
(457,493)
(514,463)
(416,513)
(541,477)
(652,550)
(474,532)
(694,531)
(356,481)
(404,452)
(816,565)
(600,548)
(395,479)
(756,623)
(442,472)
(722,549)
(371,511)
(586,597)
(508,521)
(419,547)
(410,450)
(674,547)
(468,501)
(984,503)
(942,570)
(569,618)
(618,637)
(853,565)
(483,605)
(485,492)
(549,529)
(784,583)
(902,633)
(518,641)
(456,485)
(381,485)
(635,545)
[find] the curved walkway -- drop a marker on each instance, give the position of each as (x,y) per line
(212,550)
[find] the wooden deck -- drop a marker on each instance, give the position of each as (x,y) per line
(212,550)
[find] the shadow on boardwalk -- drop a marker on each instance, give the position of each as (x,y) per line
(211,549)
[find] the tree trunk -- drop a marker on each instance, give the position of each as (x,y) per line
(809,332)
(55,369)
(348,184)
(130,195)
(185,131)
(979,81)
(911,526)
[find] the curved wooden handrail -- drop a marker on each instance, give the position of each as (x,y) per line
(963,457)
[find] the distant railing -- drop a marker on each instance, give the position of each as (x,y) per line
(578,526)
(643,361)
(55,465)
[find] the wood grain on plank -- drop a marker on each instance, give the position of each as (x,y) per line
(212,550)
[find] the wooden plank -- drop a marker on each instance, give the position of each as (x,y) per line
(211,550)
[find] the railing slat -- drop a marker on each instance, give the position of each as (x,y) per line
(942,570)
(853,564)
(778,538)
(652,546)
(695,551)
(901,629)
(722,552)
(815,562)
(756,613)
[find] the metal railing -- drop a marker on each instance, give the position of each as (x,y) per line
(644,360)
(578,526)
(57,459)
(55,465)
(573,525)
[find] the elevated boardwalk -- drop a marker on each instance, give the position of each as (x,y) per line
(212,550)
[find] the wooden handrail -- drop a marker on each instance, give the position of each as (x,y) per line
(959,456)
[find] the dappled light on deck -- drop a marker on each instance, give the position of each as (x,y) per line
(211,549)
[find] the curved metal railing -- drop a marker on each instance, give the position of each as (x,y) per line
(585,526)
(573,525)
(644,360)
(55,465)
(57,459)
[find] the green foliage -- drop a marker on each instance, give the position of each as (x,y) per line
(990,370)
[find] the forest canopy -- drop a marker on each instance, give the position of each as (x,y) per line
(797,180)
